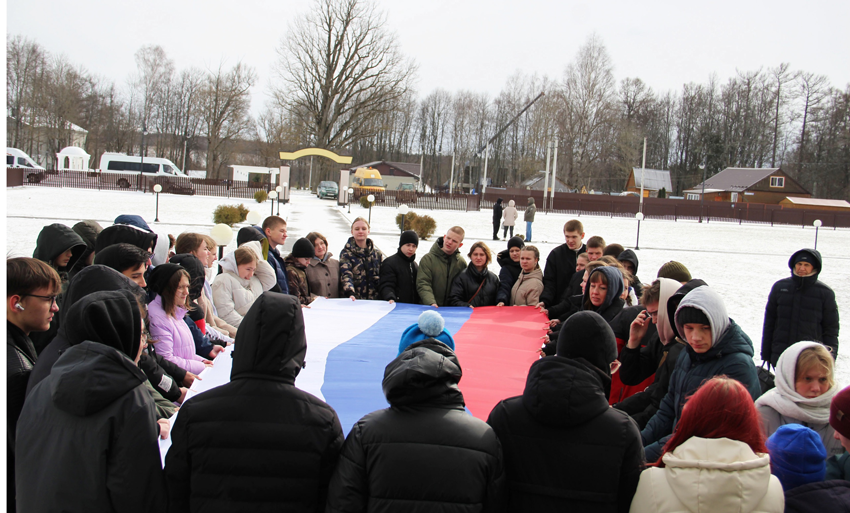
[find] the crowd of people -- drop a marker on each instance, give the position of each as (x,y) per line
(645,396)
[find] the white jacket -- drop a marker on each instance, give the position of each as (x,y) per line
(708,475)
(234,296)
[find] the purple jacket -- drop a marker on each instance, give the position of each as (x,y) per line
(173,339)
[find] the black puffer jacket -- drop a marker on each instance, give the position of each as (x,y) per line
(799,308)
(87,436)
(507,276)
(20,359)
(398,279)
(424,452)
(565,448)
(817,497)
(560,268)
(88,231)
(281,443)
(467,283)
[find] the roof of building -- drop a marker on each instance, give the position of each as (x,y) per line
(406,167)
(537,182)
(817,202)
(736,179)
(73,151)
(653,179)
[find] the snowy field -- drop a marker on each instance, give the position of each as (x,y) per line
(741,262)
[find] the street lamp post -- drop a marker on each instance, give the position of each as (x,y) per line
(817,224)
(253,218)
(272,196)
(702,196)
(371,199)
(222,235)
(639,217)
(403,210)
(348,197)
(157,189)
(278,189)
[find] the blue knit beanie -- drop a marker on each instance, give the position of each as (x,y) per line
(797,456)
(430,325)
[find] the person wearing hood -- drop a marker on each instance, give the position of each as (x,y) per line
(529,284)
(509,216)
(424,452)
(61,248)
(296,270)
(797,457)
(528,216)
(360,263)
(603,292)
(266,416)
(31,289)
(497,217)
(716,460)
(171,336)
(716,346)
(508,260)
(398,272)
(805,386)
(87,436)
(437,269)
(475,285)
(562,421)
(800,307)
(649,353)
(629,260)
(246,276)
(88,230)
(323,270)
(125,233)
(127,259)
(254,233)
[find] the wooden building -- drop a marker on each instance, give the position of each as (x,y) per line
(748,185)
(653,181)
(816,204)
(394,173)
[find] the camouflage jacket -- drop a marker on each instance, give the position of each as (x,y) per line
(360,269)
(296,276)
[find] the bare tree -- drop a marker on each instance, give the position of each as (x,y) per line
(341,68)
(225,101)
(813,90)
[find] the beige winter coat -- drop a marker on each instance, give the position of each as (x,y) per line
(509,215)
(527,288)
(710,475)
(213,321)
(234,296)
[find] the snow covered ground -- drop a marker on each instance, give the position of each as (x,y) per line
(741,262)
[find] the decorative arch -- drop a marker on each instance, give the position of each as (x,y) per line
(318,152)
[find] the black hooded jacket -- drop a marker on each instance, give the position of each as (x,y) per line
(398,279)
(630,256)
(88,231)
(565,449)
(508,275)
(470,281)
(281,443)
(98,278)
(125,233)
(55,239)
(87,436)
(799,308)
(424,452)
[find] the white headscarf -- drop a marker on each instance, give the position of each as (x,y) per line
(785,399)
(665,330)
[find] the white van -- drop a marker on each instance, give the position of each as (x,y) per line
(120,163)
(17,158)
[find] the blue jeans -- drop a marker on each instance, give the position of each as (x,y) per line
(528,231)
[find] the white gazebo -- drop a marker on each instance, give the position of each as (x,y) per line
(73,158)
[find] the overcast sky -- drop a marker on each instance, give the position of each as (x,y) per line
(463,44)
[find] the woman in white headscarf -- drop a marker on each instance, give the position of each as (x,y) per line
(805,385)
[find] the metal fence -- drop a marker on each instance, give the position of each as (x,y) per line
(564,203)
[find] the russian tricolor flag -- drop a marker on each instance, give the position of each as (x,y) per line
(349,343)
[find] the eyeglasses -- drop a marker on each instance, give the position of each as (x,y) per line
(146,335)
(653,315)
(52,299)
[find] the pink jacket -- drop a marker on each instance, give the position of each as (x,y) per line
(174,341)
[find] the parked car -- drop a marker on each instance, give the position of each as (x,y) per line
(327,189)
(19,159)
(117,164)
(406,193)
